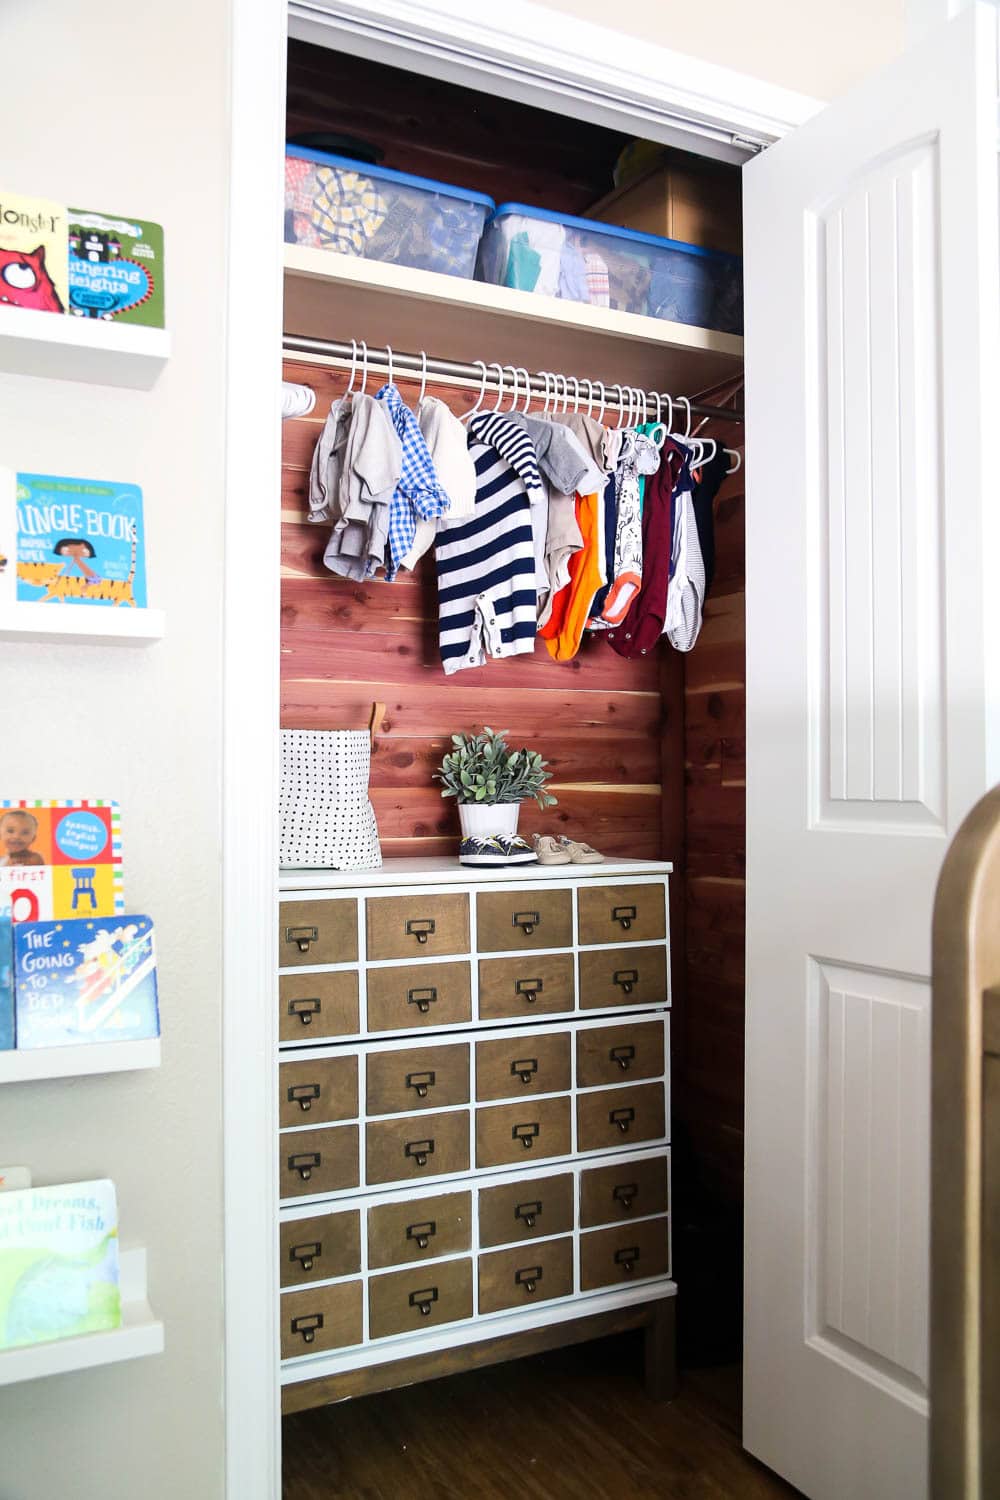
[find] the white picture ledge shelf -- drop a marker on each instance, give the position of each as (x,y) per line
(62,347)
(100,624)
(140,1334)
(79,1061)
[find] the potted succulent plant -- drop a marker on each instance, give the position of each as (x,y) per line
(490,781)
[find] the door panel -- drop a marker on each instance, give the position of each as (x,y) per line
(872,392)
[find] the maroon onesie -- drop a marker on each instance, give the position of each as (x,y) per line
(642,627)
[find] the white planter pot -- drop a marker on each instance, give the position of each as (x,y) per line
(483,820)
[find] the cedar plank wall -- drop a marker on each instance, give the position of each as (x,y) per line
(598,720)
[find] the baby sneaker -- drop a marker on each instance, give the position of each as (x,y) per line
(579,854)
(548,850)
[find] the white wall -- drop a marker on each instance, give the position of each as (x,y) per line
(817,47)
(123,108)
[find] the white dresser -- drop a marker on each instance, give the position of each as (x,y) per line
(475,1118)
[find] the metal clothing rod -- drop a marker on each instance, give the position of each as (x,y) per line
(483,377)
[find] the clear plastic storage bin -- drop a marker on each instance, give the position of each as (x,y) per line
(586,261)
(335,203)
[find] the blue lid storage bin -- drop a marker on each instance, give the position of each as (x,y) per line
(583,260)
(335,203)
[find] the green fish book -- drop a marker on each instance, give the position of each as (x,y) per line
(58,1262)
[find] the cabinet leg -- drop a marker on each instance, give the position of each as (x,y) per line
(661,1350)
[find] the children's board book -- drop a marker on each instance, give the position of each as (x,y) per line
(60,858)
(6,975)
(115,268)
(85,980)
(79,541)
(34,254)
(58,1263)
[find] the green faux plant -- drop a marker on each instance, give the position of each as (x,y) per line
(483,768)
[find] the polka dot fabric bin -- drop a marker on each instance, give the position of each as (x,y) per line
(326,819)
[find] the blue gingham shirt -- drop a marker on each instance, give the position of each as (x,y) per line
(419,491)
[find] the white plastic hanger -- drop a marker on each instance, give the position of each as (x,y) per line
(388,356)
(354,366)
(423,378)
(527,389)
(364,367)
(590,397)
(480,397)
(500,390)
(604,401)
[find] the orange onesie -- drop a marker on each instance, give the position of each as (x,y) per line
(563,630)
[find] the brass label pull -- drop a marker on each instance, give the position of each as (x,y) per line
(623,1118)
(302,937)
(420,927)
(308,1325)
(524,1068)
(421,1082)
(623,914)
(526,1134)
(303,1094)
(529,1212)
(627,1257)
(529,989)
(528,1277)
(305,1009)
(306,1255)
(625,1193)
(305,1163)
(422,999)
(422,1233)
(419,1151)
(527,921)
(624,1056)
(627,979)
(424,1300)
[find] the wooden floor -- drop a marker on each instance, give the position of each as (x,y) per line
(572,1423)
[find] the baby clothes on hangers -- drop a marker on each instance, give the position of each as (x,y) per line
(324,469)
(708,486)
(418,494)
(682,621)
(641,628)
(448,445)
(596,622)
(565,467)
(370,464)
(638,455)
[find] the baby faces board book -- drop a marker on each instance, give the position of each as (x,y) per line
(71,541)
(85,980)
(60,858)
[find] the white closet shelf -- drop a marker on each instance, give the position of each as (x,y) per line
(140,1334)
(79,1061)
(100,624)
(63,347)
(333,296)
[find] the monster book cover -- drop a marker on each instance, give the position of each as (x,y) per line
(34,254)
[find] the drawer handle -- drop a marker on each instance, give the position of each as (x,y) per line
(420,927)
(524,1068)
(422,999)
(303,1095)
(421,1082)
(623,1118)
(627,1258)
(529,988)
(528,1277)
(419,1151)
(624,1056)
(306,1255)
(424,1300)
(625,1193)
(302,937)
(422,1233)
(527,921)
(529,1212)
(308,1326)
(627,978)
(305,1009)
(526,1134)
(623,914)
(305,1164)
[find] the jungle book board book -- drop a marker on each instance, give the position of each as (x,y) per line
(34,254)
(60,858)
(79,541)
(91,979)
(59,1272)
(115,268)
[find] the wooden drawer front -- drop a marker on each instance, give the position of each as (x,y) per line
(318,1161)
(317,932)
(417,926)
(628,1191)
(626,976)
(522,1132)
(417,1078)
(525,987)
(322,1317)
(622,913)
(507,921)
(620,1117)
(417,1146)
(626,1253)
(410,1301)
(313,1006)
(508,1069)
(525,1210)
(531,1273)
(320,1248)
(614,1054)
(424,995)
(322,1088)
(419,1230)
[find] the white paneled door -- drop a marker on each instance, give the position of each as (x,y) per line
(873,577)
